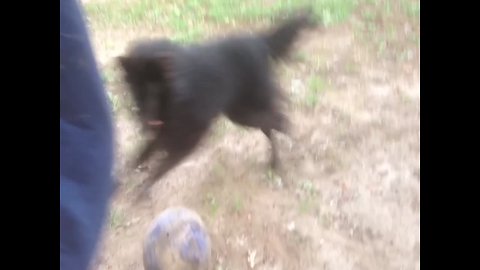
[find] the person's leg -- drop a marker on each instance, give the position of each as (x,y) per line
(86,143)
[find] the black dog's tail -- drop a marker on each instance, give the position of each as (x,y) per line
(282,38)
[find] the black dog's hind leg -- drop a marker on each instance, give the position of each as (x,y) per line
(270,122)
(267,121)
(274,155)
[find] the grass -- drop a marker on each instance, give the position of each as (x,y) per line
(411,8)
(114,101)
(376,9)
(237,204)
(316,86)
(117,218)
(351,67)
(273,178)
(369,15)
(211,200)
(384,26)
(307,188)
(332,11)
(108,76)
(190,20)
(300,57)
(308,197)
(212,203)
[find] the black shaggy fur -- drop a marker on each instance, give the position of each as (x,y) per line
(180,90)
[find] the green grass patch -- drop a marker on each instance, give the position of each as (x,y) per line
(237,204)
(308,197)
(212,203)
(190,19)
(316,86)
(117,219)
(114,101)
(411,8)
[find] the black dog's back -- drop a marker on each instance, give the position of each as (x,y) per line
(239,67)
(195,84)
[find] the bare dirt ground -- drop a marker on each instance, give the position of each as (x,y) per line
(348,196)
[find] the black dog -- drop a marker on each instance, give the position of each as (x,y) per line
(180,90)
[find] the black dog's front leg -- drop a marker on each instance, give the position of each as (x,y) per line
(274,157)
(178,146)
(170,162)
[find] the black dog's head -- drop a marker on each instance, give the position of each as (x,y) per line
(149,78)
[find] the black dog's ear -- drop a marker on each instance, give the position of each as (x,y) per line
(127,63)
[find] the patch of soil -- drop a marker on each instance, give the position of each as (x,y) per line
(349,192)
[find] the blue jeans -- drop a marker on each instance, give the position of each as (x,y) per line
(86,143)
